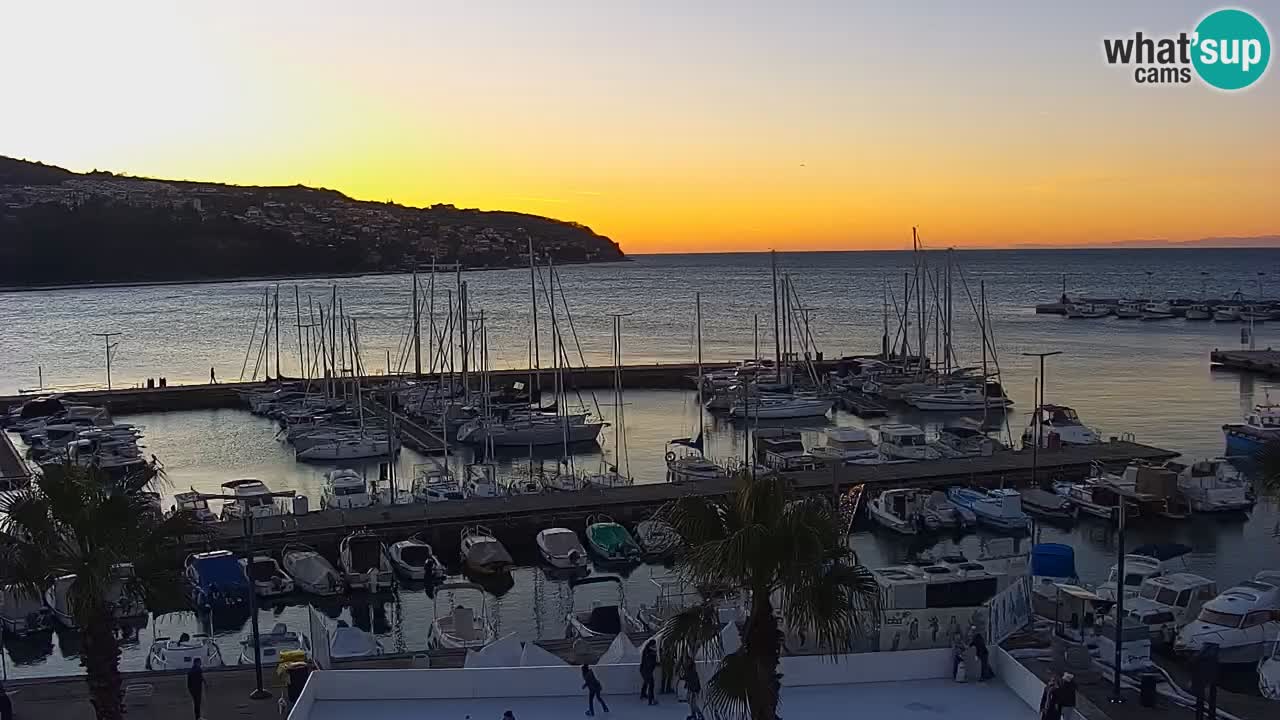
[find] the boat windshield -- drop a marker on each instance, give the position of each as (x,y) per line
(1065,416)
(415,555)
(262,570)
(1130,579)
(1213,617)
(909,440)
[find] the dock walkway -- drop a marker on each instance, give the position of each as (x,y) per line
(518,518)
(1263,362)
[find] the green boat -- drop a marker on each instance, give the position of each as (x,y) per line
(610,541)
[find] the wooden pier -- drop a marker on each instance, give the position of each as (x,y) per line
(517,519)
(1263,362)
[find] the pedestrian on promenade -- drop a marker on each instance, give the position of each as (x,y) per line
(648,663)
(592,684)
(196,686)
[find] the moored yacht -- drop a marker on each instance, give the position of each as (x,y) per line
(779,407)
(846,444)
(462,626)
(898,510)
(166,654)
(1198,311)
(1146,561)
(279,640)
(1086,311)
(344,489)
(602,618)
(267,576)
(251,497)
(1129,310)
(310,571)
(482,553)
(1157,311)
(905,442)
(1061,421)
(1260,426)
(1214,485)
(1243,621)
(999,509)
(962,398)
(1226,313)
(364,562)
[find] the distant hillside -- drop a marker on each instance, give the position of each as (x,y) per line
(58,227)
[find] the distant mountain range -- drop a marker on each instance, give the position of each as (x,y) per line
(59,227)
(1256,241)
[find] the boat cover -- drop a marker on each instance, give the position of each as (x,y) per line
(501,653)
(310,568)
(621,652)
(222,570)
(535,655)
(1162,551)
(610,537)
(349,642)
(1053,560)
(488,552)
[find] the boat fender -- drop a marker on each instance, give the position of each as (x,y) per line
(670,456)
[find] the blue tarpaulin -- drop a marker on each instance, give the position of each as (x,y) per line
(1053,560)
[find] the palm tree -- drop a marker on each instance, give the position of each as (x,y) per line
(76,520)
(778,548)
(1268,462)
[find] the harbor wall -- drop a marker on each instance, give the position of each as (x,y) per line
(566,680)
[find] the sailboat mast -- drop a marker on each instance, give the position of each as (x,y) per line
(755,339)
(697,304)
(884,333)
(276,313)
(982,326)
(417,328)
(777,343)
(297,311)
(533,304)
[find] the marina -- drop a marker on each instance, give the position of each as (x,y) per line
(959,442)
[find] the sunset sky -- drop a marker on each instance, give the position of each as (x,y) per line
(669,126)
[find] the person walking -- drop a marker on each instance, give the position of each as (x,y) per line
(1064,694)
(979,645)
(6,705)
(196,685)
(213,378)
(648,663)
(592,684)
(667,659)
(693,686)
(1049,709)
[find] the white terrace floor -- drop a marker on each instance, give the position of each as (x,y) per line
(905,700)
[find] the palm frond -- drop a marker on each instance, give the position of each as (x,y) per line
(696,520)
(1267,459)
(741,687)
(691,632)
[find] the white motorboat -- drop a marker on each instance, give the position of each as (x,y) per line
(354,448)
(1157,311)
(898,510)
(1145,562)
(344,489)
(1198,312)
(1214,485)
(462,627)
(435,484)
(940,512)
(482,553)
(780,407)
(561,548)
(272,644)
(603,617)
(252,497)
(1087,311)
(123,602)
(22,614)
(166,654)
(1269,674)
(481,481)
(905,442)
(268,578)
(1165,603)
(1061,421)
(1244,622)
(1098,499)
(1255,313)
(348,643)
(1226,313)
(847,445)
(999,509)
(194,504)
(415,559)
(957,441)
(364,562)
(784,451)
(310,571)
(691,468)
(963,398)
(1129,310)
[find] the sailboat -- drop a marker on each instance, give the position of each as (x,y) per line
(609,475)
(686,461)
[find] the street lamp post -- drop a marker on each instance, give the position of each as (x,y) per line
(1122,506)
(259,693)
(1039,413)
